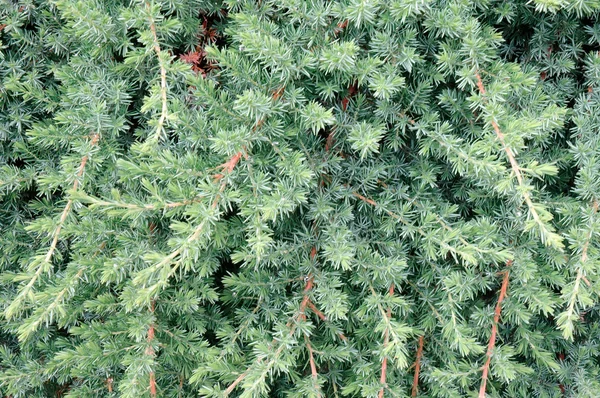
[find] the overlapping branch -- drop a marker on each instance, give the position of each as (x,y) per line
(227,167)
(46,311)
(300,315)
(446,246)
(313,367)
(141,207)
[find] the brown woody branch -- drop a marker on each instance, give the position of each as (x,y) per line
(228,167)
(300,315)
(492,342)
(323,318)
(313,367)
(415,387)
(150,352)
(237,381)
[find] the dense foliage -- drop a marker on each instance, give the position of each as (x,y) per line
(296,198)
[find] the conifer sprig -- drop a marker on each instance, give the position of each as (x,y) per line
(292,324)
(44,313)
(44,264)
(313,368)
(547,234)
(163,76)
(175,258)
(565,320)
(150,353)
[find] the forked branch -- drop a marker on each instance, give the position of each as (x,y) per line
(313,367)
(228,167)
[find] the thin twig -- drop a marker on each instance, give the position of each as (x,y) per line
(386,340)
(305,299)
(143,207)
(163,77)
(313,367)
(324,318)
(61,294)
(415,387)
(150,352)
(180,390)
(228,167)
(492,342)
(235,383)
(580,276)
(316,311)
(418,229)
(241,329)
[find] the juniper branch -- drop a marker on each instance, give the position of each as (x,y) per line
(150,352)
(313,367)
(492,342)
(415,387)
(386,340)
(10,311)
(580,276)
(172,258)
(300,314)
(163,77)
(544,232)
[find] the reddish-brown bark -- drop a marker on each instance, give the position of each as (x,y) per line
(492,342)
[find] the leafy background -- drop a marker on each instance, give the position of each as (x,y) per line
(290,198)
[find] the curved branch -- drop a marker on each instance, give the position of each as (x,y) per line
(56,234)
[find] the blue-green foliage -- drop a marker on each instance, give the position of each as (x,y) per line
(327,182)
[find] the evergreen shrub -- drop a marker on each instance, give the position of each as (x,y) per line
(299,198)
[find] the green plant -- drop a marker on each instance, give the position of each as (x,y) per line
(299,198)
